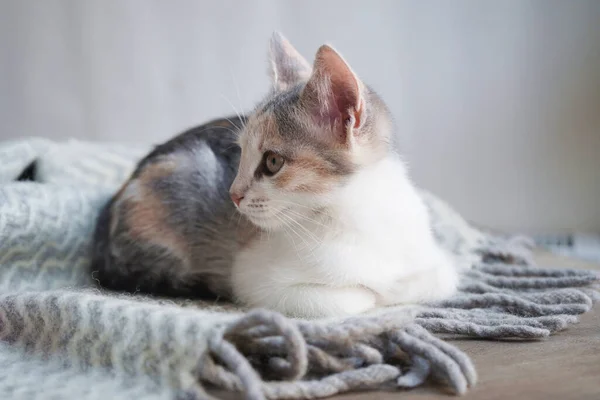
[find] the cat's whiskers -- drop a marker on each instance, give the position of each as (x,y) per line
(306,218)
(221,127)
(231,219)
(285,228)
(231,147)
(293,203)
(308,233)
(236,133)
(299,215)
(285,225)
(261,232)
(305,252)
(239,214)
(237,91)
(237,114)
(309,251)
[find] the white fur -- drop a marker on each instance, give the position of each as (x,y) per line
(370,246)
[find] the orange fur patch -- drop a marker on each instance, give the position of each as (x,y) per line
(146,216)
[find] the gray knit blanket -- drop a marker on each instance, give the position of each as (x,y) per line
(62,338)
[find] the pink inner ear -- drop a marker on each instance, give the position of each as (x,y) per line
(348,104)
(339,109)
(335,91)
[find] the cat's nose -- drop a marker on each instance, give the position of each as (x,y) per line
(236,198)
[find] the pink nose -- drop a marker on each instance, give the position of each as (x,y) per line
(236,199)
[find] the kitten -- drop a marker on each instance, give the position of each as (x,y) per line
(329,221)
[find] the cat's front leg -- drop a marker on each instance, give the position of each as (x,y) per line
(313,301)
(317,301)
(430,284)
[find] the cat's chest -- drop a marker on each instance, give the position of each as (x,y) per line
(322,259)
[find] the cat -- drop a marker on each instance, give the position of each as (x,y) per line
(323,219)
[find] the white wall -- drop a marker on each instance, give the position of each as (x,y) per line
(497,102)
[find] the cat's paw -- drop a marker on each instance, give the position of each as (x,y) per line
(355,300)
(308,301)
(437,283)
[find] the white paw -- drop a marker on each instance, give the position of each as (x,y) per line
(430,285)
(354,300)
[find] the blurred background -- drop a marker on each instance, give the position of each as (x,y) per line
(497,103)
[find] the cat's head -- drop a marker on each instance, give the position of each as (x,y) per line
(317,127)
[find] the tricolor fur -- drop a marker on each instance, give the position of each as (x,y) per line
(327,222)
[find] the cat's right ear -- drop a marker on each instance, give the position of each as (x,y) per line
(287,66)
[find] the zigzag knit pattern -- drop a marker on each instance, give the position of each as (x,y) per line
(61,338)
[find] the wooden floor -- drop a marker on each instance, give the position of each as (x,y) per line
(564,366)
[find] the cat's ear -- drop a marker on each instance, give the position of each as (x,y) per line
(334,95)
(288,67)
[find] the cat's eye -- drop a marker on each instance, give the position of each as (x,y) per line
(273,163)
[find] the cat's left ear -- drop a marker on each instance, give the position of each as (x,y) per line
(288,67)
(334,96)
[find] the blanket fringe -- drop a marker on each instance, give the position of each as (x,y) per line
(359,353)
(504,296)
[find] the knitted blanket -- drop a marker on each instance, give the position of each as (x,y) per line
(62,338)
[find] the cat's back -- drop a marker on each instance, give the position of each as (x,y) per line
(171,229)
